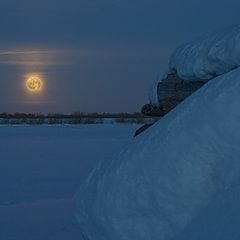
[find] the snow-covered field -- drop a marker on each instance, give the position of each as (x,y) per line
(41,168)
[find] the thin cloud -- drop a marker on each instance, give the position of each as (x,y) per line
(29,57)
(12,53)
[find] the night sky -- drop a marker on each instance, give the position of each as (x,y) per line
(96,55)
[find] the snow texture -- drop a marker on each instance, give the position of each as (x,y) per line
(169,174)
(207,57)
(219,220)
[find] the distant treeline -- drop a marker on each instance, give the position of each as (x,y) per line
(74,118)
(73,115)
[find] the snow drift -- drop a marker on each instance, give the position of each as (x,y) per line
(207,57)
(197,61)
(157,186)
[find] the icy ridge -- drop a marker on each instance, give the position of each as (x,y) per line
(153,93)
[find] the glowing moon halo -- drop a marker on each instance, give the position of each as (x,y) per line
(34,84)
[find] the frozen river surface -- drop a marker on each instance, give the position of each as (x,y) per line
(41,168)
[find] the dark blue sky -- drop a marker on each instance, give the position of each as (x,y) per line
(96,55)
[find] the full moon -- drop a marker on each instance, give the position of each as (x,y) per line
(34,84)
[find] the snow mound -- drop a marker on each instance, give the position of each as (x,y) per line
(208,57)
(157,186)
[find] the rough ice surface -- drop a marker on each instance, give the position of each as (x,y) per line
(171,173)
(207,57)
